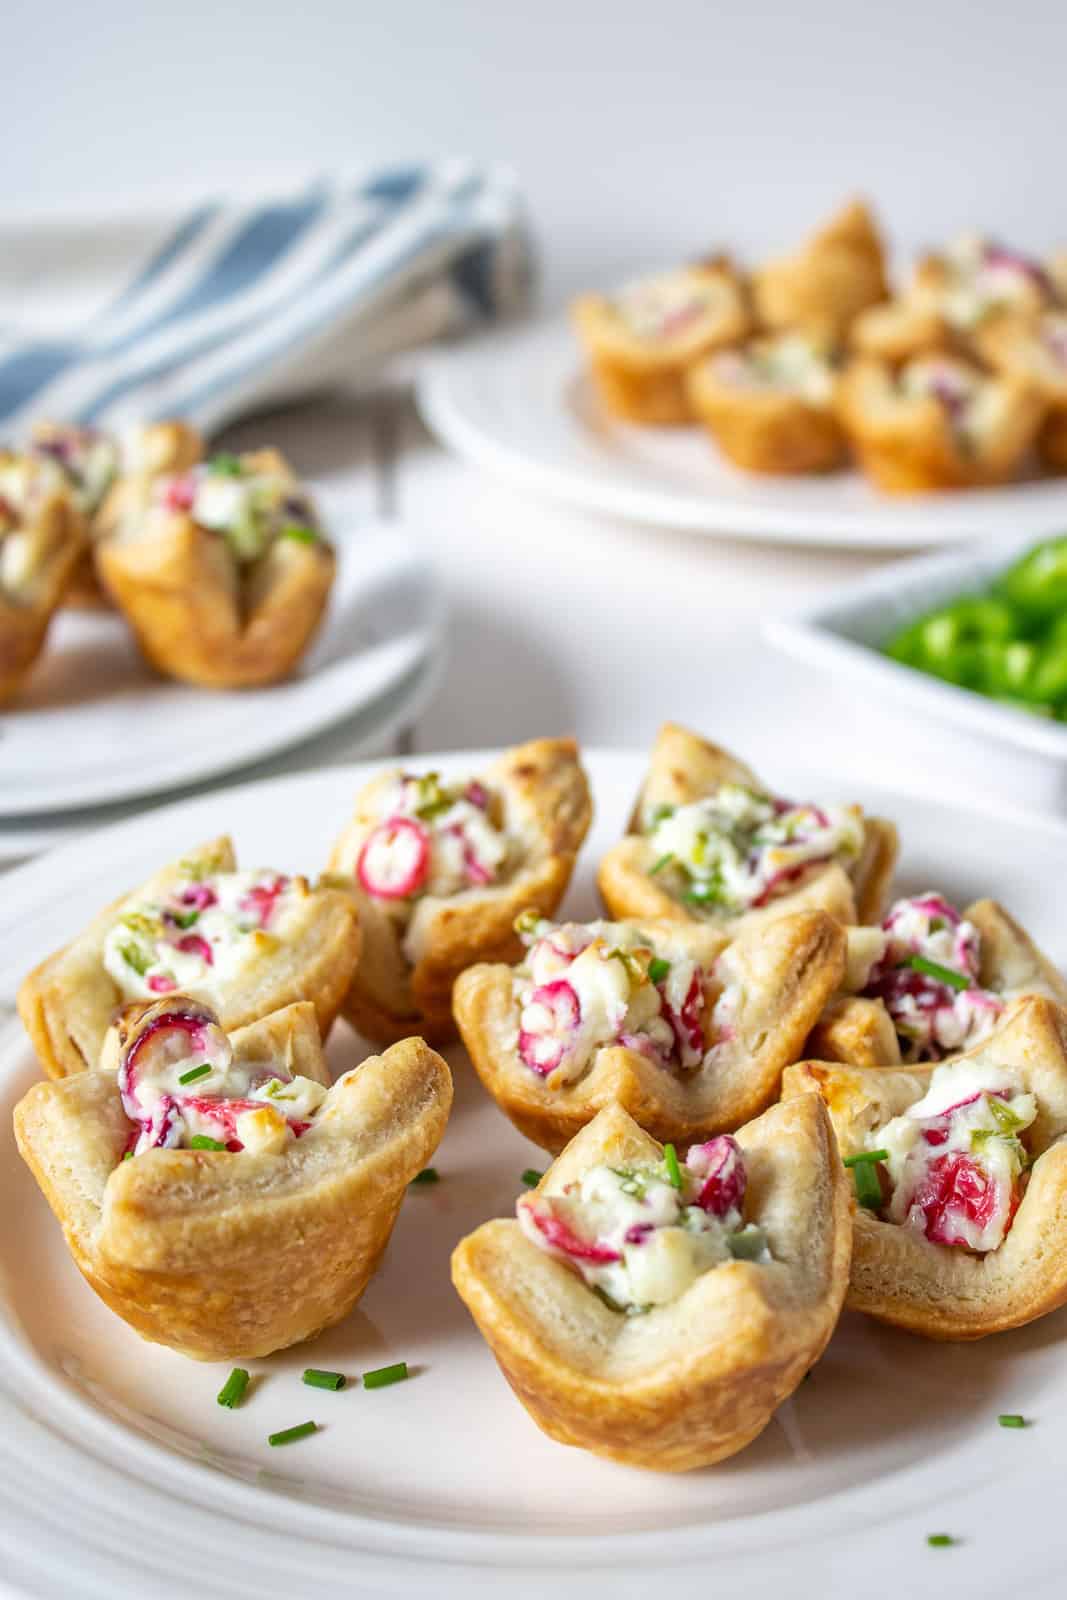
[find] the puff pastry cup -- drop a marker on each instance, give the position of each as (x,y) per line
(1034,350)
(770,405)
(640,341)
(838,272)
(94,463)
(42,538)
(931,982)
(691,1381)
(247,942)
(938,422)
(933,1274)
(202,1249)
(222,572)
(439,873)
(687,1032)
(701,811)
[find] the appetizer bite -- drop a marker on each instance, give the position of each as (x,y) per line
(937,423)
(931,982)
(770,405)
(832,277)
(222,571)
(901,328)
(243,942)
(658,1310)
(961,1177)
(685,1031)
(42,537)
(440,870)
(975,277)
(1034,351)
(93,461)
(214,1190)
(641,340)
(708,842)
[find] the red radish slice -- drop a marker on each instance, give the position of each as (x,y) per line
(200,895)
(556,1233)
(956,1189)
(543,1049)
(719,1167)
(688,1023)
(395,859)
(179,494)
(161,983)
(194,945)
(261,900)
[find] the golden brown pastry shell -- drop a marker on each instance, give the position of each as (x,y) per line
(229,1256)
(834,276)
(942,1291)
(764,429)
(684,767)
(546,801)
(67,1002)
(24,623)
(691,1383)
(786,972)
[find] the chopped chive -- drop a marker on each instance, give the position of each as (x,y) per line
(233,1390)
(128,1156)
(1011,1419)
(939,1541)
(300,532)
(933,969)
(316,1378)
(381,1377)
(868,1188)
(195,1072)
(200,1141)
(659,865)
(670,1161)
(531,1178)
(288,1435)
(866,1155)
(658,969)
(229,465)
(427,1175)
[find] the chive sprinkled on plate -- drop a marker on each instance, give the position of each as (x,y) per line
(201,1141)
(382,1377)
(195,1072)
(531,1177)
(427,1175)
(670,1161)
(317,1378)
(290,1435)
(933,969)
(939,1541)
(1011,1419)
(866,1155)
(658,969)
(233,1390)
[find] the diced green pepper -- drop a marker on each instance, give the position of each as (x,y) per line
(1037,583)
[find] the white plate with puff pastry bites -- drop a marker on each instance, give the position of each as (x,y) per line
(726,1241)
(805,398)
(195,615)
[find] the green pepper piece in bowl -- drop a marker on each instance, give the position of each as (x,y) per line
(1036,585)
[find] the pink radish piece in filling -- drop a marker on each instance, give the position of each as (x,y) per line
(395,859)
(261,900)
(719,1168)
(194,945)
(161,983)
(179,494)
(542,1049)
(199,895)
(688,1024)
(557,1234)
(189,1032)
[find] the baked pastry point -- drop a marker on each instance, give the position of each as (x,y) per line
(641,341)
(834,276)
(857,1027)
(748,1006)
(433,900)
(222,1254)
(942,1290)
(690,1382)
(684,769)
(299,944)
(1034,350)
(769,406)
(42,538)
(229,604)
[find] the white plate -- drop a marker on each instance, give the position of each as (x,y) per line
(521,406)
(116,1464)
(843,635)
(95,724)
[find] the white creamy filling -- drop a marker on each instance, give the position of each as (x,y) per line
(792,364)
(735,847)
(143,951)
(659,308)
(933,1016)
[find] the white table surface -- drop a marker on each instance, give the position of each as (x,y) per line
(561,622)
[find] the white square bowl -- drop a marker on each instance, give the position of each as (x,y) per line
(845,633)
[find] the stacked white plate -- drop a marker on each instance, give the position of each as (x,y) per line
(97,736)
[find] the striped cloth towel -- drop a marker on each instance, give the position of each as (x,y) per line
(233,306)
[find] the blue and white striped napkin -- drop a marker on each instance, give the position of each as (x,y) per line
(234,306)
